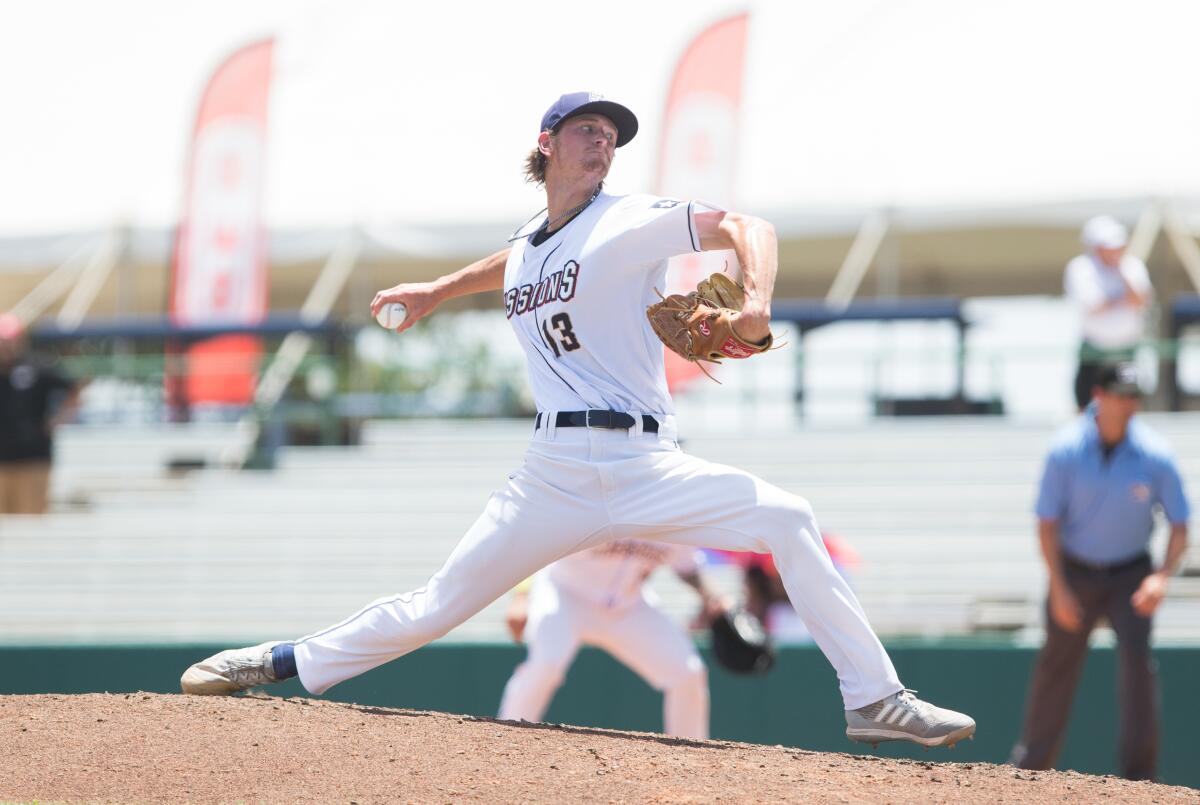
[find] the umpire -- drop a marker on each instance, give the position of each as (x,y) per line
(1103,478)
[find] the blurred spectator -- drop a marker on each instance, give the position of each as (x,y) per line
(34,399)
(1103,478)
(1112,289)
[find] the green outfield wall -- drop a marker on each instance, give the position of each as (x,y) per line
(795,705)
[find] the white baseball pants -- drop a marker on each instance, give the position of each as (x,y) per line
(640,635)
(580,487)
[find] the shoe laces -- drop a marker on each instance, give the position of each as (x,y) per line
(245,674)
(248,671)
(908,699)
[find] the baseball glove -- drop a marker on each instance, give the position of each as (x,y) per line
(740,643)
(699,326)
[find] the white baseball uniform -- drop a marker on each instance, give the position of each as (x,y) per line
(577,303)
(599,597)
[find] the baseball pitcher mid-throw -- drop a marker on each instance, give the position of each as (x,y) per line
(603,463)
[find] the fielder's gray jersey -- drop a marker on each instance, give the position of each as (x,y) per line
(586,335)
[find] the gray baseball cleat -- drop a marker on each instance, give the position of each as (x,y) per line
(231,671)
(904,717)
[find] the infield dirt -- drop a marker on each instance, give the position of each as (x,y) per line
(154,748)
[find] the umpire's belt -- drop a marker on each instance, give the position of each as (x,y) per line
(1101,569)
(595,418)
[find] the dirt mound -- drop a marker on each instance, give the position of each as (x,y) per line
(143,747)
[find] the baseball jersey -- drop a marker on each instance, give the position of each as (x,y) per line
(611,575)
(1089,283)
(577,303)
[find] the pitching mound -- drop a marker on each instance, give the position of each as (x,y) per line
(143,748)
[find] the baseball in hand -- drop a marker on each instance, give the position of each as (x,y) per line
(391,315)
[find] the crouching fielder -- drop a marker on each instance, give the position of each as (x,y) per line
(599,597)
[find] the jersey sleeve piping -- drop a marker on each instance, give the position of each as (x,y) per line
(691,229)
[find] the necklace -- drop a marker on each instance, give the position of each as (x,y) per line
(517,235)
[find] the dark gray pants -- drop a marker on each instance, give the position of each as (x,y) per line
(1101,593)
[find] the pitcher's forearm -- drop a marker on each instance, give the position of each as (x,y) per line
(757,249)
(479,277)
(754,242)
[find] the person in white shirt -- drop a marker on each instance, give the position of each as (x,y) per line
(1113,291)
(604,461)
(599,597)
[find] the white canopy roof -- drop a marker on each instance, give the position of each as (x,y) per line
(412,119)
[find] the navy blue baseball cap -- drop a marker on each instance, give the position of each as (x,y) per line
(578,103)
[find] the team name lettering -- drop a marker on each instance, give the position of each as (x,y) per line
(558,287)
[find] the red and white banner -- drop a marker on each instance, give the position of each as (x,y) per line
(220,263)
(698,157)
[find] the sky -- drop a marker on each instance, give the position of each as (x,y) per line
(400,113)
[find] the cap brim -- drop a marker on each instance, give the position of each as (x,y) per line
(625,120)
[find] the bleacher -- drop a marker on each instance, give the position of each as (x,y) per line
(136,552)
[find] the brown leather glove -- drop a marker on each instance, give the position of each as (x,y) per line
(698,326)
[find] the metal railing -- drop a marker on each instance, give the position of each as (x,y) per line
(129,386)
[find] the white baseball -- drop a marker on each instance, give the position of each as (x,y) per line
(391,315)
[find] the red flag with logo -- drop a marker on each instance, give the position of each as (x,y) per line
(698,150)
(219,272)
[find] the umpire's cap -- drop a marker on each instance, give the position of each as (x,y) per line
(578,103)
(1119,378)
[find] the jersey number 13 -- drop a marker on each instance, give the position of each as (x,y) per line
(557,330)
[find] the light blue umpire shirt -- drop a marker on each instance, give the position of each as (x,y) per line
(1104,506)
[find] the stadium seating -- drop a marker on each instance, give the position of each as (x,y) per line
(937,509)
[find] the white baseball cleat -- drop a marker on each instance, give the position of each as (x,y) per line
(904,717)
(231,671)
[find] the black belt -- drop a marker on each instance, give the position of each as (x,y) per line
(1103,569)
(607,420)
